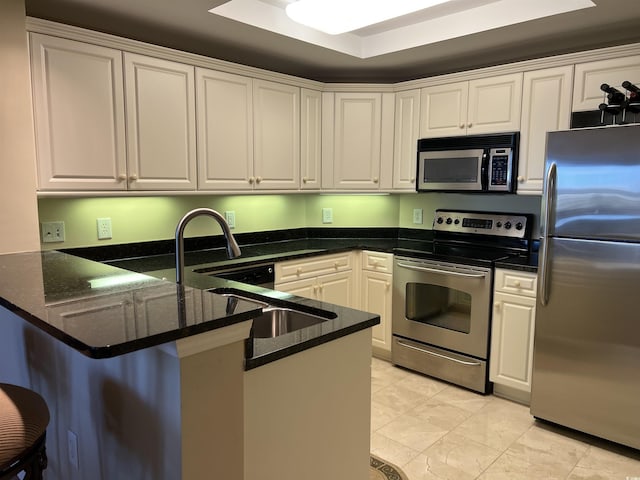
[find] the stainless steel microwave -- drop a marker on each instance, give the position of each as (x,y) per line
(473,163)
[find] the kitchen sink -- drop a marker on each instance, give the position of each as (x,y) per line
(276,320)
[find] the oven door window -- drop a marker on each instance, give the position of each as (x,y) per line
(438,306)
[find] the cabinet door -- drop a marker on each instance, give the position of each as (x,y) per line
(546,106)
(338,289)
(589,76)
(358,120)
(512,341)
(407,131)
(310,138)
(225,131)
(307,288)
(276,135)
(161,124)
(376,298)
(495,104)
(79,115)
(443,110)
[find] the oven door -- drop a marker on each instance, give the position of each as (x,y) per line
(443,304)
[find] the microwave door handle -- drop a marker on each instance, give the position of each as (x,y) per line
(484,169)
(445,272)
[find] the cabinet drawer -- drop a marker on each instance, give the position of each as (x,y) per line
(511,281)
(377,261)
(312,267)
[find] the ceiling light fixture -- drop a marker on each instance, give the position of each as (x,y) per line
(340,16)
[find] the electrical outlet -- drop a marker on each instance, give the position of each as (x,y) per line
(72,448)
(104,228)
(417,215)
(327,215)
(230,217)
(52,232)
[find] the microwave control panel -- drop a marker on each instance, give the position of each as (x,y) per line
(483,223)
(500,174)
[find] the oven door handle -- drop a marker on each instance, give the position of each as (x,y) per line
(468,364)
(446,272)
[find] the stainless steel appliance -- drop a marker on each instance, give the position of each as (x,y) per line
(586,370)
(474,163)
(442,297)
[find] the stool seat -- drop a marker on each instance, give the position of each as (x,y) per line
(24,417)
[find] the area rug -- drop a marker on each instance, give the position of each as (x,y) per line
(382,470)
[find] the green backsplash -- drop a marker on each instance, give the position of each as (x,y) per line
(138,219)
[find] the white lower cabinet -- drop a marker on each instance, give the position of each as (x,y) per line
(360,280)
(328,278)
(376,294)
(512,332)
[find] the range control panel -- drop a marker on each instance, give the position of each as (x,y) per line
(483,223)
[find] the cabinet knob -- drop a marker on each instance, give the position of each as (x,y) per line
(520,178)
(298,271)
(122,177)
(315,288)
(387,285)
(497,305)
(305,179)
(258,179)
(516,284)
(469,125)
(375,179)
(133,177)
(251,180)
(336,265)
(462,125)
(412,179)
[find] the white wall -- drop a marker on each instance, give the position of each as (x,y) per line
(18,206)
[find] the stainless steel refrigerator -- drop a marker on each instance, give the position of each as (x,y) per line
(586,369)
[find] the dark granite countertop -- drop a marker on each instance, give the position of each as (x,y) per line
(105,311)
(66,282)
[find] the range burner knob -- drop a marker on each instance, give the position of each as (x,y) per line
(519,226)
(507,225)
(449,221)
(440,220)
(498,224)
(456,221)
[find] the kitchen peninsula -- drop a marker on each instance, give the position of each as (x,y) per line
(146,379)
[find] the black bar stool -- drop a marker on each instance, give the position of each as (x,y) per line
(24,417)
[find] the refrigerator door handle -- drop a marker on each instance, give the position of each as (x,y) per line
(550,187)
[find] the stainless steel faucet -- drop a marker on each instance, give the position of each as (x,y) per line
(233,250)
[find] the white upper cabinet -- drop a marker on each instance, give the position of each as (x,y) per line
(488,105)
(546,106)
(589,76)
(248,133)
(444,110)
(276,135)
(405,143)
(79,115)
(310,139)
(225,131)
(161,124)
(357,141)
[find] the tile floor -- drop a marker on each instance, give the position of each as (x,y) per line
(433,430)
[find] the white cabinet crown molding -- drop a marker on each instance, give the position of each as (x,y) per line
(524,66)
(48,27)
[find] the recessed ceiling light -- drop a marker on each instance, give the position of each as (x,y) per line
(340,16)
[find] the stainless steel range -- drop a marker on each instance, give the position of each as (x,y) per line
(442,297)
